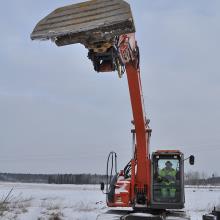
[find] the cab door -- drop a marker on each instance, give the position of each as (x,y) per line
(167,180)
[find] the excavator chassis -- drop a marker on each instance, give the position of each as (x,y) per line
(131,215)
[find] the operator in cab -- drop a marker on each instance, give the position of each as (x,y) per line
(167,178)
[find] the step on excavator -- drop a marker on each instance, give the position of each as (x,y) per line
(150,186)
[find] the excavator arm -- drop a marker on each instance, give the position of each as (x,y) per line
(124,57)
(129,53)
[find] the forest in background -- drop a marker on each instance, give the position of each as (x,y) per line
(191,178)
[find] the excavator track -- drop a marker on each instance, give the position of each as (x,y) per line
(129,215)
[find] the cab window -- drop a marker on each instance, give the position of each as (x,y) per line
(166,179)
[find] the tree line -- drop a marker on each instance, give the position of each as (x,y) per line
(191,178)
(201,178)
(53,178)
(76,179)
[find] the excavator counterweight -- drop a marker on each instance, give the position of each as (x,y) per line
(93,23)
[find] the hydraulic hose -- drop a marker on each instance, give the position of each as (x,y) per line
(111,166)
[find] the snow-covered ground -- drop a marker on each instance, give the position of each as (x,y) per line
(200,200)
(81,202)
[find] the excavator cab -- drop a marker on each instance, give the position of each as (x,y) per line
(167,189)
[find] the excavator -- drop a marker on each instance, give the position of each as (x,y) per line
(106,28)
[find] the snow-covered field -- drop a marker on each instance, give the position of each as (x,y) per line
(81,202)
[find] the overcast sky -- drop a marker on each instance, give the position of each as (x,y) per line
(58,115)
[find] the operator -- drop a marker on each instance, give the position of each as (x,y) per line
(167,176)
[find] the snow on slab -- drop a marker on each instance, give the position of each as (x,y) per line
(83,202)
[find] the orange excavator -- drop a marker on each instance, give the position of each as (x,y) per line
(150,185)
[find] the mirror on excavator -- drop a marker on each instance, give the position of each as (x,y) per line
(191,160)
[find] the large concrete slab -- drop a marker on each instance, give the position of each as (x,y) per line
(88,21)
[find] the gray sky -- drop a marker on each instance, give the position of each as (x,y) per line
(58,115)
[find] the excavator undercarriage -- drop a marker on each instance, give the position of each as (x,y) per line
(131,215)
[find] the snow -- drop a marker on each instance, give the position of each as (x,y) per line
(82,202)
(201,200)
